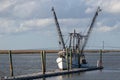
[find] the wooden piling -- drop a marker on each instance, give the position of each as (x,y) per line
(78,53)
(101,58)
(11,63)
(99,62)
(43,60)
(44,52)
(70,59)
(67,57)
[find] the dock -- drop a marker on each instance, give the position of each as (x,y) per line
(52,73)
(44,73)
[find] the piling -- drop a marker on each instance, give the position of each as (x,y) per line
(78,53)
(67,56)
(101,58)
(70,59)
(43,60)
(99,62)
(11,63)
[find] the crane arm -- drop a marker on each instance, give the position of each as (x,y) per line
(58,29)
(90,28)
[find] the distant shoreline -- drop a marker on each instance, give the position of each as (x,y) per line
(49,51)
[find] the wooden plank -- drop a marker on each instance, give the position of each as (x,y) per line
(51,74)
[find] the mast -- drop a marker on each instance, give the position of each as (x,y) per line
(90,29)
(74,42)
(58,29)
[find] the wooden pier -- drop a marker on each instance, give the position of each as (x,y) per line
(44,73)
(52,73)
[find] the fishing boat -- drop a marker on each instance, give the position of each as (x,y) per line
(72,55)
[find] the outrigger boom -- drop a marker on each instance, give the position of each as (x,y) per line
(58,29)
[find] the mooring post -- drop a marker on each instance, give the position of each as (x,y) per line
(101,58)
(43,60)
(67,52)
(99,62)
(78,52)
(11,63)
(70,59)
(44,52)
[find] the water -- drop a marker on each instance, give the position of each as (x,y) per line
(31,63)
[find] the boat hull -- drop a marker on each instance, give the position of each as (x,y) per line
(61,63)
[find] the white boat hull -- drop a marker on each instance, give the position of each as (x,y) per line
(62,63)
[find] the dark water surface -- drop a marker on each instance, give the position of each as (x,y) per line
(31,63)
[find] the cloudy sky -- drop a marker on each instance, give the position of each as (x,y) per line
(29,24)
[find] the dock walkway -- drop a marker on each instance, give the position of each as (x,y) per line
(52,73)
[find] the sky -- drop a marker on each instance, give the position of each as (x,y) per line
(29,24)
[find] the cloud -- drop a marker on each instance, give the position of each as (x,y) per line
(107,28)
(110,6)
(32,15)
(104,28)
(68,25)
(38,24)
(89,10)
(7,26)
(5,4)
(35,24)
(25,9)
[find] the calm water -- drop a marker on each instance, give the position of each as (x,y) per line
(31,63)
